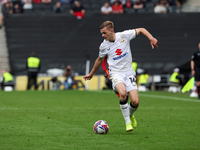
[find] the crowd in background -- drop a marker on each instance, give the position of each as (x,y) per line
(77,8)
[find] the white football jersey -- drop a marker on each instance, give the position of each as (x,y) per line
(119,52)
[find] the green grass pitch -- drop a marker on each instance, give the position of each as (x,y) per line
(62,120)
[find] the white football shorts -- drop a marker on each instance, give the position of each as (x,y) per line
(128,80)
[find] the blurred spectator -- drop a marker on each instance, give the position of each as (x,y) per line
(78,10)
(139,4)
(134,65)
(6,10)
(106,9)
(46,1)
(129,4)
(33,66)
(58,8)
(160,8)
(18,2)
(17,9)
(4,1)
(144,82)
(175,79)
(69,74)
(123,2)
(36,1)
(7,80)
(117,7)
(176,82)
(173,3)
(27,4)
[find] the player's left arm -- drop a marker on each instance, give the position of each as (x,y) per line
(153,40)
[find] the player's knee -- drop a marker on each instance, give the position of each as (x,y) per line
(123,96)
(135,103)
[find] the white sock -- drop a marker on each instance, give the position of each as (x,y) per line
(125,112)
(131,109)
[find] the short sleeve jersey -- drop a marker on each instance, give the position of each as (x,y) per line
(196,58)
(119,52)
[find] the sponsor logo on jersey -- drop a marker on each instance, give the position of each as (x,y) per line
(118,51)
(121,56)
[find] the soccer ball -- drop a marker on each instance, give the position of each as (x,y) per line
(101,127)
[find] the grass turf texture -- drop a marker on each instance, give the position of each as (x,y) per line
(59,120)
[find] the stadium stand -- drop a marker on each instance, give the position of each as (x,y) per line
(93,6)
(4,56)
(191,6)
(60,40)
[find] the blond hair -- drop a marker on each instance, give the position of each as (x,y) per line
(108,24)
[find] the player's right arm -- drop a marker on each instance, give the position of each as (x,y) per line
(96,66)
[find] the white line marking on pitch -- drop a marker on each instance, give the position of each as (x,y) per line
(159,96)
(169,97)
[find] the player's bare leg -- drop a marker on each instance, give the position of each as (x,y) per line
(133,94)
(124,105)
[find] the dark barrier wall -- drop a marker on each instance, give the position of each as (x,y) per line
(60,40)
